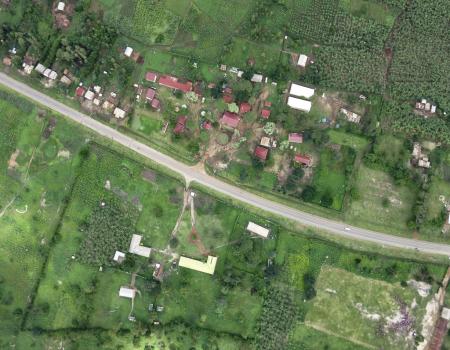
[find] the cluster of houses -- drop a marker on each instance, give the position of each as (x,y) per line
(425,108)
(294,101)
(419,158)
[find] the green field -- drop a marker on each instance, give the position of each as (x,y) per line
(380,204)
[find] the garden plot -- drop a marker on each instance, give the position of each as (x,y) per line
(366,311)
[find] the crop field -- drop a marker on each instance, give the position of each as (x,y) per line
(149,22)
(361,309)
(382,204)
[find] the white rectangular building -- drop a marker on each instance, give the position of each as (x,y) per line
(301,91)
(302,59)
(257,229)
(298,103)
(126,292)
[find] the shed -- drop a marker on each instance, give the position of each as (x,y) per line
(89,95)
(119,256)
(119,113)
(302,59)
(66,80)
(261,152)
(150,94)
(245,107)
(136,248)
(128,51)
(295,137)
(61,6)
(258,230)
(265,113)
(126,292)
(206,267)
(180,127)
(156,104)
(303,159)
(80,91)
(265,141)
(301,91)
(151,76)
(299,104)
(40,68)
(257,78)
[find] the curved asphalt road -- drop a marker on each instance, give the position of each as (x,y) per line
(194,174)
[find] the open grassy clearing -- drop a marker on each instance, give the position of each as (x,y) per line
(359,309)
(381,204)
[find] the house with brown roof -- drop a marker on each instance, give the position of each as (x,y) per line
(295,137)
(174,83)
(150,94)
(245,107)
(230,120)
(303,159)
(156,104)
(261,153)
(151,76)
(180,127)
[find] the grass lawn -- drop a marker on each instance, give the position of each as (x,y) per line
(371,10)
(354,308)
(374,186)
(347,139)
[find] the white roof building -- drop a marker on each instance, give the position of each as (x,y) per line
(136,248)
(257,78)
(89,95)
(298,103)
(258,230)
(119,256)
(206,267)
(61,6)
(302,59)
(128,51)
(27,68)
(445,314)
(351,116)
(47,72)
(126,292)
(40,68)
(53,75)
(301,91)
(119,113)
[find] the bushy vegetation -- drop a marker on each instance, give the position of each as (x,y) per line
(108,229)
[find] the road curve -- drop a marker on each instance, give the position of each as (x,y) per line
(193,174)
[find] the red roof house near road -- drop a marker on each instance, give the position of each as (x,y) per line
(173,83)
(303,159)
(150,94)
(261,152)
(156,104)
(181,125)
(80,91)
(245,107)
(265,113)
(295,137)
(150,76)
(230,119)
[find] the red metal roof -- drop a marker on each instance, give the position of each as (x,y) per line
(150,76)
(173,83)
(303,159)
(207,125)
(80,91)
(296,137)
(150,94)
(181,125)
(267,104)
(245,107)
(265,113)
(230,119)
(156,103)
(261,152)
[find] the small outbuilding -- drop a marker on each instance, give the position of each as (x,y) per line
(126,292)
(136,248)
(61,6)
(261,153)
(302,60)
(128,51)
(295,137)
(258,230)
(119,113)
(303,159)
(151,76)
(119,257)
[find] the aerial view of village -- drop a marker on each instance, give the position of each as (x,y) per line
(225,174)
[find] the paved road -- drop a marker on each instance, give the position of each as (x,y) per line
(194,174)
